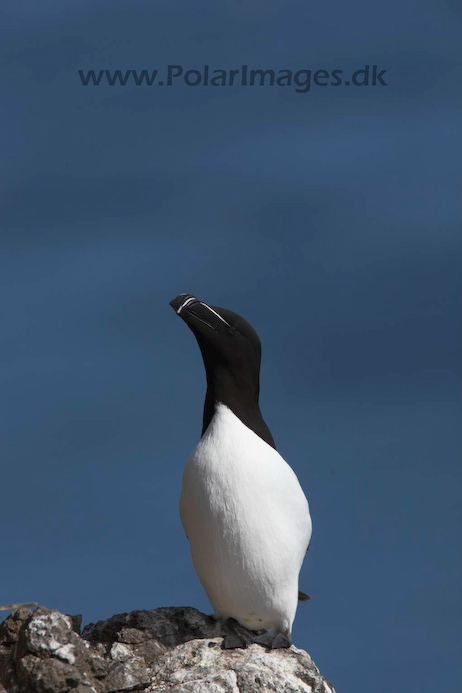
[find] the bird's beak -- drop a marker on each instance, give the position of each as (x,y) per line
(181,301)
(192,311)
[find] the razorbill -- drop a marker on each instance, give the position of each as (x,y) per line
(242,507)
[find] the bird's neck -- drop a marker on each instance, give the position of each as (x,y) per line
(240,395)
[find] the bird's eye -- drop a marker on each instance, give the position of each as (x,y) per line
(232,330)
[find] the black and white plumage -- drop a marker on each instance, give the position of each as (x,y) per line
(242,507)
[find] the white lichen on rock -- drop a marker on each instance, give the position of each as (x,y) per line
(204,664)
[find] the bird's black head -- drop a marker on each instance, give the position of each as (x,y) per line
(231,351)
(226,340)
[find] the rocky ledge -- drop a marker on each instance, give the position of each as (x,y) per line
(170,650)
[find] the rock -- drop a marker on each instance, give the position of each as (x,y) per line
(169,650)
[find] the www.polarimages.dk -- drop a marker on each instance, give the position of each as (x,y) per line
(300,80)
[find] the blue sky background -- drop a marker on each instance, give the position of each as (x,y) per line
(330,220)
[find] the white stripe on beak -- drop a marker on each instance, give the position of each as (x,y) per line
(215,313)
(188,300)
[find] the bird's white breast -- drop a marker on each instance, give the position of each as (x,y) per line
(248,523)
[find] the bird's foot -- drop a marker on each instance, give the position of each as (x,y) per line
(280,641)
(233,642)
(265,639)
(238,638)
(273,642)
